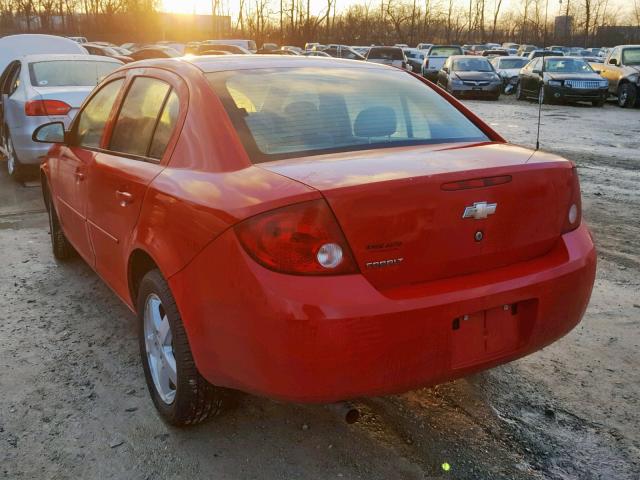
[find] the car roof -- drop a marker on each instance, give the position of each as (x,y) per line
(246,62)
(65,56)
(455,57)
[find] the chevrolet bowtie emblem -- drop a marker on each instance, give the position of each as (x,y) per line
(480,210)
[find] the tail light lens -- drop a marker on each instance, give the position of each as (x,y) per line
(45,108)
(301,239)
(573,214)
(426,62)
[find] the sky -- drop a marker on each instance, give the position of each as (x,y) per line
(317,6)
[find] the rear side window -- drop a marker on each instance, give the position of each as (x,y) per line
(93,118)
(138,117)
(166,125)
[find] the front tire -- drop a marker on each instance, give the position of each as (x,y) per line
(519,92)
(180,394)
(627,95)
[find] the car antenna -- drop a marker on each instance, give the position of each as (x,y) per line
(541,93)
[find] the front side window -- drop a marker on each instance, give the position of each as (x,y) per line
(70,73)
(288,112)
(93,118)
(138,117)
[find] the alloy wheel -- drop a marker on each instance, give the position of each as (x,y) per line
(159,347)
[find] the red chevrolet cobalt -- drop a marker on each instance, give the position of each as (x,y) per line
(312,229)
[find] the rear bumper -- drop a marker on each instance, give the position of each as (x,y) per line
(28,151)
(325,339)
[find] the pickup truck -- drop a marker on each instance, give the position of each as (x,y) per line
(621,68)
(435,58)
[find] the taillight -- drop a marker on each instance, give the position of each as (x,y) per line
(300,239)
(44,108)
(573,213)
(426,62)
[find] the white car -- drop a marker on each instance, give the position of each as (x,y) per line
(38,89)
(16,46)
(393,56)
(509,68)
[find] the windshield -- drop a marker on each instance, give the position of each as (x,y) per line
(283,113)
(69,73)
(386,54)
(509,63)
(445,51)
(567,65)
(631,56)
(471,65)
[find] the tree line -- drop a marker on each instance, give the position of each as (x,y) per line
(293,22)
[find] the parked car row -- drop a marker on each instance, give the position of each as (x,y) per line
(47,78)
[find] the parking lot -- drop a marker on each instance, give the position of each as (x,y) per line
(73,401)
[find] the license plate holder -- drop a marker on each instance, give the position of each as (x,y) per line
(484,335)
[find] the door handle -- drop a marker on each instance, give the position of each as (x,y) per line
(124,198)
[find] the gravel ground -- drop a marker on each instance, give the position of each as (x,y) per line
(73,403)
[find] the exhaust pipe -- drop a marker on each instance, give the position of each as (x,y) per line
(346,411)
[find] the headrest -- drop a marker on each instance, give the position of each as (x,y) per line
(375,122)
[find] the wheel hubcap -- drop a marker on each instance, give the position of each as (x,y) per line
(11,160)
(159,346)
(623,96)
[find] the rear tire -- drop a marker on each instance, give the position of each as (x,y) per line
(60,246)
(519,92)
(14,167)
(627,95)
(180,394)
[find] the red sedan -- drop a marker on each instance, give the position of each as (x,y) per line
(312,229)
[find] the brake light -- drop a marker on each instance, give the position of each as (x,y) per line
(426,62)
(301,239)
(573,213)
(44,108)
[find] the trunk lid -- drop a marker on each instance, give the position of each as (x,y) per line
(401,209)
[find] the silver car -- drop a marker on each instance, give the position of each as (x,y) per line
(470,76)
(38,89)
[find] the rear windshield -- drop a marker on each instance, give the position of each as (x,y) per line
(290,112)
(472,65)
(508,63)
(69,73)
(445,51)
(631,56)
(386,54)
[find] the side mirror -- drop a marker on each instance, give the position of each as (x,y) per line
(49,133)
(445,69)
(613,61)
(537,70)
(598,71)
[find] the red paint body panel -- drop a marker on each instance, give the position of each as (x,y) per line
(329,338)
